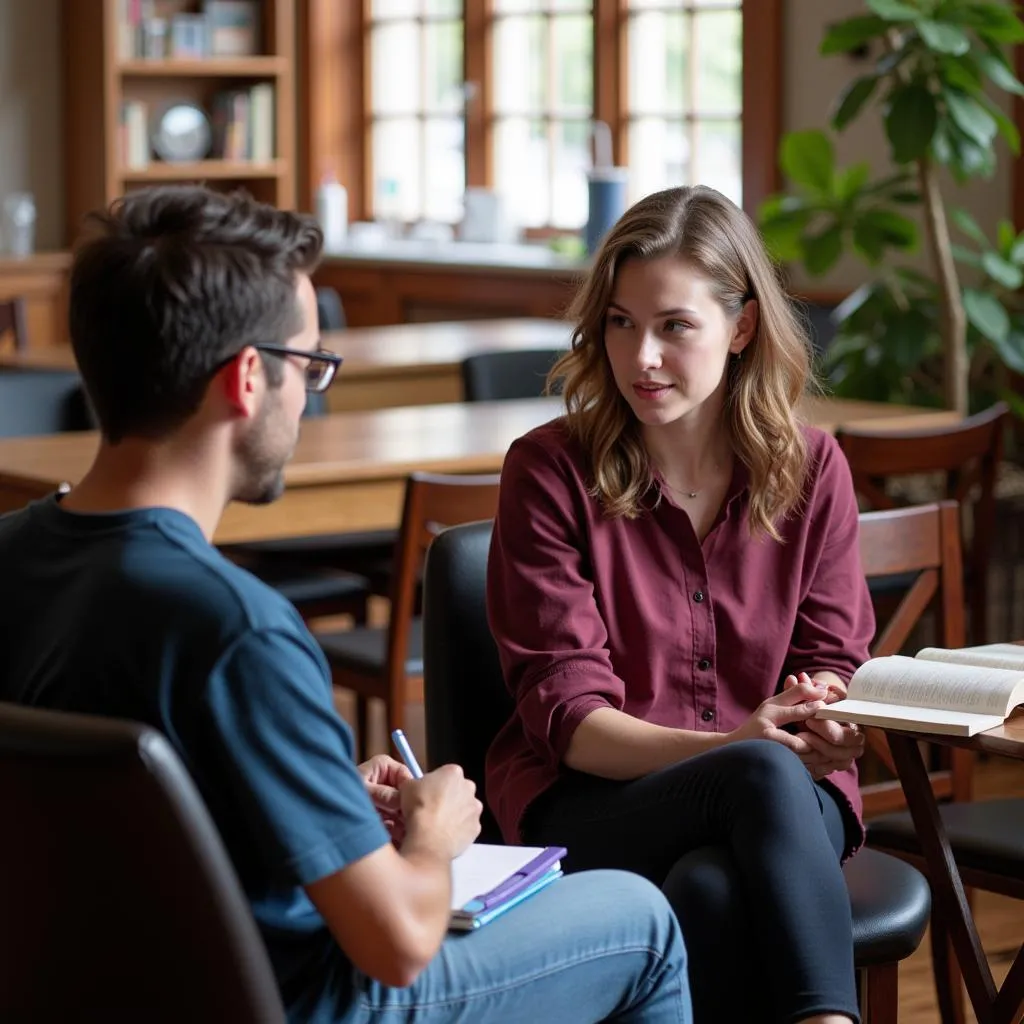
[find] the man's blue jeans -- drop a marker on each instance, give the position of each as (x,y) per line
(596,946)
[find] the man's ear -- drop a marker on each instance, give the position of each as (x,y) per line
(745,327)
(242,382)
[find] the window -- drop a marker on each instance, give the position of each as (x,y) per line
(416,109)
(543,89)
(684,98)
(428,97)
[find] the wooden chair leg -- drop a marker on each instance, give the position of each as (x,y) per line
(880,993)
(362,727)
(948,981)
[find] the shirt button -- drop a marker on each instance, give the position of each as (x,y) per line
(707,714)
(698,596)
(704,664)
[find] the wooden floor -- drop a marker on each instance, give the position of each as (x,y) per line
(1000,920)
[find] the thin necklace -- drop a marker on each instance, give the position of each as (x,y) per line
(684,494)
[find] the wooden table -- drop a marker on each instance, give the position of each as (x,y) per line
(992,1005)
(349,468)
(406,364)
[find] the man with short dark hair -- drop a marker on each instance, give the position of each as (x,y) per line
(193,321)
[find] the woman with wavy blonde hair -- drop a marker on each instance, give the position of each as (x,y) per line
(675,589)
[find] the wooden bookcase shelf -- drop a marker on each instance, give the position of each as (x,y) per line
(99,81)
(211,67)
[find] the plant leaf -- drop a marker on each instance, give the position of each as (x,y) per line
(1003,272)
(992,22)
(910,122)
(851,180)
(1016,253)
(897,230)
(809,159)
(1011,350)
(999,72)
(964,255)
(943,38)
(852,99)
(970,117)
(1006,235)
(822,250)
(894,10)
(1007,128)
(987,314)
(969,226)
(848,35)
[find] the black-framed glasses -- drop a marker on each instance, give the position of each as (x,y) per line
(321,367)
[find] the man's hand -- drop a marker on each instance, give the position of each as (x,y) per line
(832,746)
(383,775)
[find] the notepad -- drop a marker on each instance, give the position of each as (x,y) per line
(487,880)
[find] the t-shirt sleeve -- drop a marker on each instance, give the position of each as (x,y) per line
(284,759)
(835,621)
(551,637)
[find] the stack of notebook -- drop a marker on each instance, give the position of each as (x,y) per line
(488,880)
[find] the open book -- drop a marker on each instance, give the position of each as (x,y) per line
(956,692)
(488,880)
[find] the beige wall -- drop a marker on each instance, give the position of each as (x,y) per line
(31,132)
(810,85)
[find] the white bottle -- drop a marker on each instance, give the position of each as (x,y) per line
(332,212)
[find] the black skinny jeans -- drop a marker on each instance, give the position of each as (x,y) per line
(746,847)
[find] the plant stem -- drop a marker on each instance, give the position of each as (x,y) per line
(952,318)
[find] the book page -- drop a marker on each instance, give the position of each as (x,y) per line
(1010,656)
(934,684)
(484,866)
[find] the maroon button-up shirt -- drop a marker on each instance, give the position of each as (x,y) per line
(640,616)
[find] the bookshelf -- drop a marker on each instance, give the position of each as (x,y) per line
(113,97)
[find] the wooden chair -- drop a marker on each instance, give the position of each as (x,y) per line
(467,702)
(14,322)
(968,454)
(923,543)
(387,663)
(923,540)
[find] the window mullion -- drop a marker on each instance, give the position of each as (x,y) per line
(479,97)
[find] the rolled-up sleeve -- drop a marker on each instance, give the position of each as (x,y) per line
(835,621)
(550,634)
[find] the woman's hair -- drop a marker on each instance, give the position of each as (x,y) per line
(714,236)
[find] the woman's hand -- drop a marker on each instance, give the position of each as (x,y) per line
(794,706)
(832,746)
(382,776)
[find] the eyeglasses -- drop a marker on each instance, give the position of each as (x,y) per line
(322,366)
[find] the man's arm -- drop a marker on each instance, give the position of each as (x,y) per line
(389,910)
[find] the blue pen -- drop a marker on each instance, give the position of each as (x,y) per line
(405,752)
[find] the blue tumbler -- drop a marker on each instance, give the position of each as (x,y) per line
(606,193)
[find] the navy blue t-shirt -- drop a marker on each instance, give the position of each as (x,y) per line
(134,615)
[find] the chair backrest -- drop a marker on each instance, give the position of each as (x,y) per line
(116,890)
(42,402)
(466,700)
(499,376)
(329,310)
(14,322)
(433,503)
(924,540)
(967,454)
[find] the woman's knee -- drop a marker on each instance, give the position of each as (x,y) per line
(770,773)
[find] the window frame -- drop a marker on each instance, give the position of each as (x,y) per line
(334,108)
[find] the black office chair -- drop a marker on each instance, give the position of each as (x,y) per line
(42,402)
(329,310)
(498,376)
(119,900)
(466,702)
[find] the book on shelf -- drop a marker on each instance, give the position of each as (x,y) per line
(489,880)
(243,124)
(134,135)
(952,692)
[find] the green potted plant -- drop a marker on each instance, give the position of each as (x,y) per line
(953,335)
